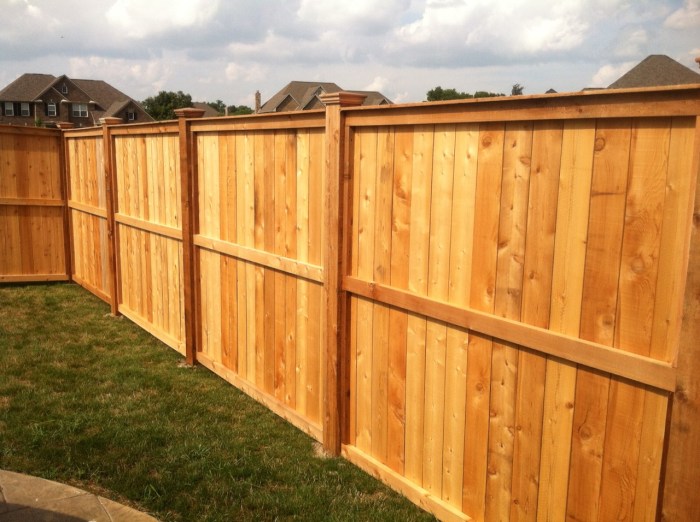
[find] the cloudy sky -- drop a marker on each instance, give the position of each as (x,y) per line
(228,49)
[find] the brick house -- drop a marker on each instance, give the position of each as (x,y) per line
(302,96)
(45,99)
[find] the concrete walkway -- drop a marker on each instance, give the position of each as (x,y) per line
(30,499)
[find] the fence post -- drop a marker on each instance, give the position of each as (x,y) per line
(189,200)
(67,213)
(679,480)
(111,199)
(334,338)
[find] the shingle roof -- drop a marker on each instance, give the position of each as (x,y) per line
(27,87)
(101,92)
(655,70)
(209,111)
(298,95)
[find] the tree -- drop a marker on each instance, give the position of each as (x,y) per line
(163,105)
(487,94)
(218,105)
(439,94)
(517,90)
(234,110)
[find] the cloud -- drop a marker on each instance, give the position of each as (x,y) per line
(481,32)
(130,76)
(687,17)
(632,43)
(139,19)
(379,83)
(351,17)
(608,73)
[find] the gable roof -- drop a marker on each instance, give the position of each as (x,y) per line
(655,70)
(299,95)
(27,87)
(110,99)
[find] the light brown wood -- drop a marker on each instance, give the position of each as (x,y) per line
(188,196)
(276,406)
(481,297)
(29,202)
(680,478)
(507,350)
(419,225)
(505,371)
(603,252)
(420,496)
(459,289)
(148,226)
(398,319)
(536,288)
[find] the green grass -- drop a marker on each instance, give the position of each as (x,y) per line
(93,401)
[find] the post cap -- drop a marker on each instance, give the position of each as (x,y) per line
(189,112)
(343,98)
(110,120)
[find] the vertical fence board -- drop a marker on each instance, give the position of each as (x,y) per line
(607,208)
(509,279)
(567,281)
(421,178)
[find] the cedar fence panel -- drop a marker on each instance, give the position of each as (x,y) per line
(87,203)
(515,305)
(148,232)
(491,305)
(258,257)
(33,238)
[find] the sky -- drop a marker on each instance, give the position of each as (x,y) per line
(227,49)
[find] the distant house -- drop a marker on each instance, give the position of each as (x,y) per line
(655,70)
(209,111)
(302,96)
(47,99)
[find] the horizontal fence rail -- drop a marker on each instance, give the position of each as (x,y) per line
(491,305)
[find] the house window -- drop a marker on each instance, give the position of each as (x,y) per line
(80,110)
(51,109)
(9,109)
(24,109)
(130,115)
(64,89)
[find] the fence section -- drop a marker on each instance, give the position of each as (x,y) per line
(147,195)
(515,307)
(258,257)
(484,301)
(33,238)
(87,201)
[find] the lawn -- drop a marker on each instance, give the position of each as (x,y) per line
(93,401)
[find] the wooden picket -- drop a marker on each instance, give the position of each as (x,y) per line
(492,305)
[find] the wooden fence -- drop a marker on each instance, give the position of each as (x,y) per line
(491,305)
(33,232)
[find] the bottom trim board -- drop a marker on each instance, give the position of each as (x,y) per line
(170,340)
(272,403)
(419,496)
